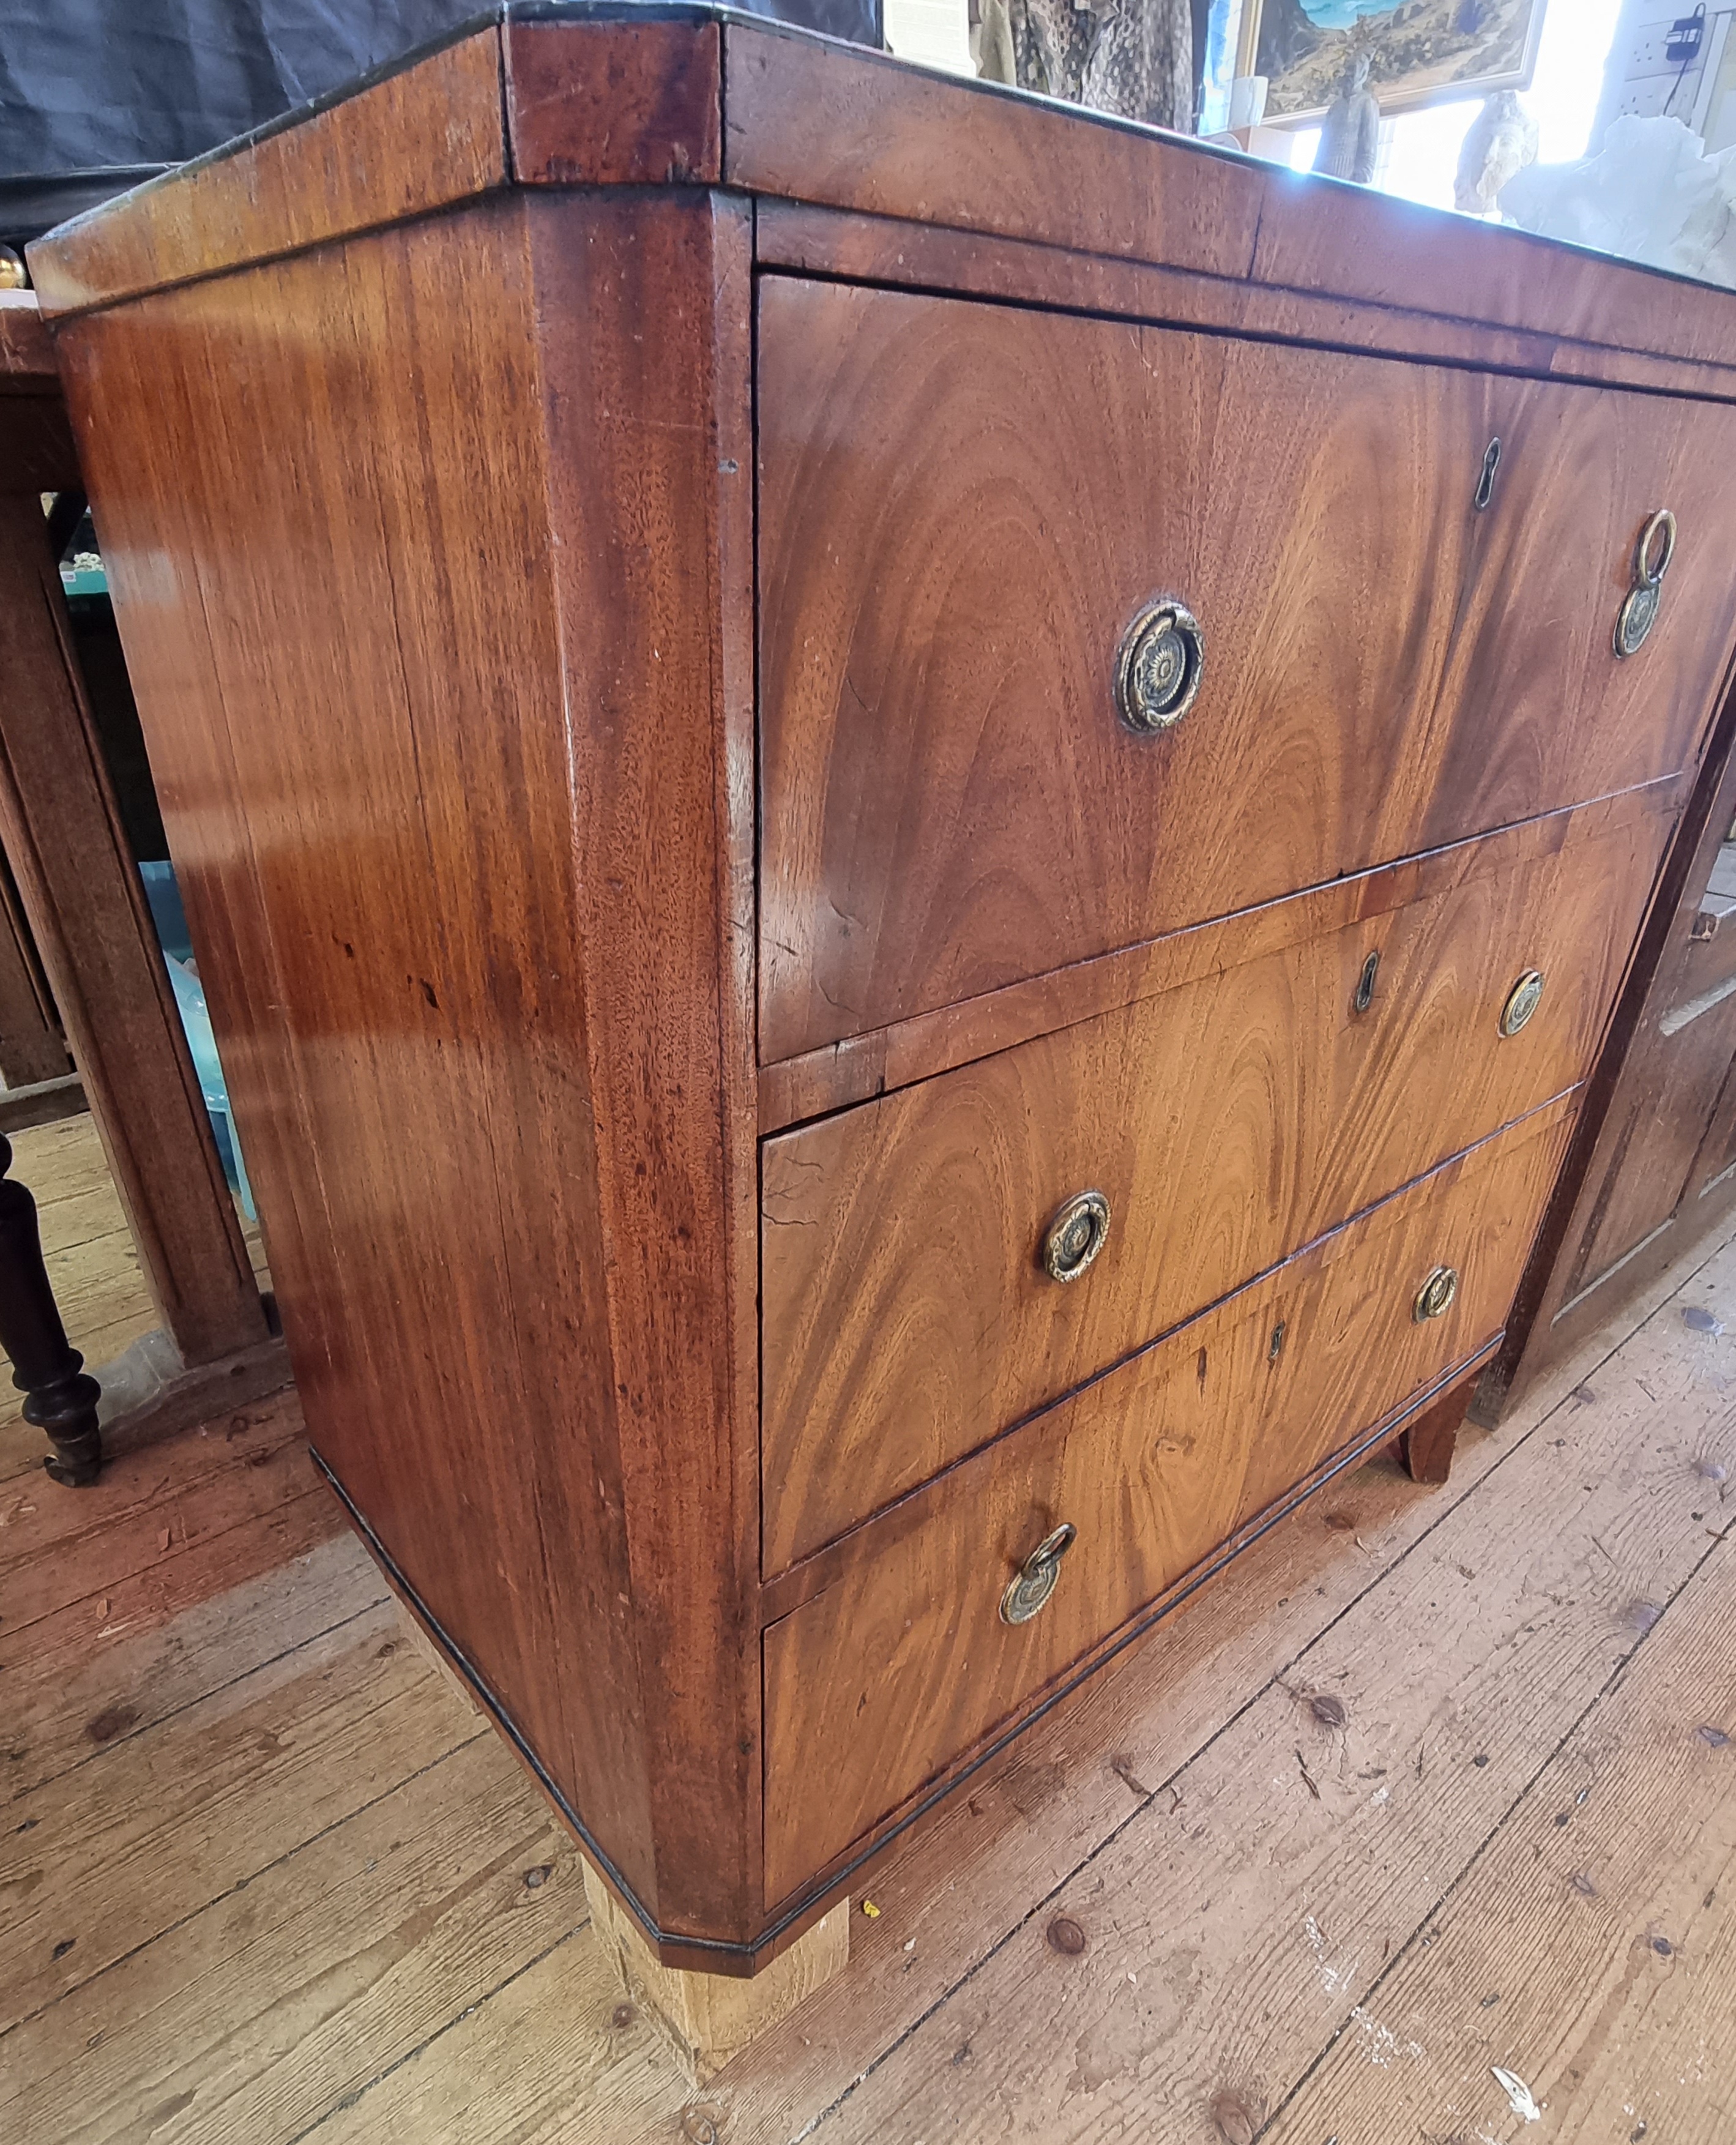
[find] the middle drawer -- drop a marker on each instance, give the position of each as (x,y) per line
(909,1310)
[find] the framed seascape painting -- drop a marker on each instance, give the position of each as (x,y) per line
(1419,52)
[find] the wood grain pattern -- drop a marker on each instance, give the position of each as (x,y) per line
(1581,471)
(423,138)
(850,130)
(81,890)
(819,123)
(906,1314)
(950,801)
(1643,1172)
(1657,1128)
(37,454)
(901,1663)
(438,1035)
(706,2019)
(861,1067)
(32,1050)
(588,106)
(653,400)
(885,249)
(1425,1445)
(825,122)
(1629,1903)
(1361,243)
(1707,956)
(411,1929)
(442,617)
(1506,1634)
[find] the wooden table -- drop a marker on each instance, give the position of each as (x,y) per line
(79,888)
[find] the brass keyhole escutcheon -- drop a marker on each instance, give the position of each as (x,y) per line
(1158,666)
(1035,1581)
(1365,983)
(1076,1232)
(1652,554)
(1521,1002)
(1436,1296)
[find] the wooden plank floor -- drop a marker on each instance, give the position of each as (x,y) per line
(98,1283)
(95,1271)
(266,1878)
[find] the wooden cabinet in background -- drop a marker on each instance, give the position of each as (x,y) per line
(1652,1165)
(910,819)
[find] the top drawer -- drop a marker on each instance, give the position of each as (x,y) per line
(963,507)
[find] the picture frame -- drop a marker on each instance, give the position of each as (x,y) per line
(1422,52)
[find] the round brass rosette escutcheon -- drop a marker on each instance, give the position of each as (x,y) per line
(1436,1296)
(1075,1234)
(1158,666)
(1035,1582)
(1521,1002)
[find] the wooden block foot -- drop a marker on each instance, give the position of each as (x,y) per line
(709,2018)
(1425,1446)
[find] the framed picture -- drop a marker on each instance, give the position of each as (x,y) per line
(1419,52)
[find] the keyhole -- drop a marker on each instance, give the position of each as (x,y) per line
(1276,1346)
(1485,483)
(1365,983)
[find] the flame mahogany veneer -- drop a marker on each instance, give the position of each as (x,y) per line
(622,529)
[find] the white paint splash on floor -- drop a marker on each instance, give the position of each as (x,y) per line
(1381,2042)
(1517,2092)
(1332,1978)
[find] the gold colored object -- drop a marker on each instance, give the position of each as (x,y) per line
(1158,666)
(1521,1002)
(1652,554)
(14,276)
(1436,1294)
(1037,1576)
(1075,1234)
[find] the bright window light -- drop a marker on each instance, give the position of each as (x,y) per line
(1419,150)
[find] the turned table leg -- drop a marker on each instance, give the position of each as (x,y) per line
(60,1398)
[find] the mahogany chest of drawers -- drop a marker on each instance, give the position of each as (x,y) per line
(910,819)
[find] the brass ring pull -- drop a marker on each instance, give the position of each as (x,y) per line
(1035,1581)
(1661,529)
(1158,665)
(1436,1296)
(1652,554)
(1521,1002)
(1075,1234)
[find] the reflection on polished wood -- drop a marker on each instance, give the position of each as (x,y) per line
(673,702)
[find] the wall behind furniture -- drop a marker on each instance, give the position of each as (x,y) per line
(934,31)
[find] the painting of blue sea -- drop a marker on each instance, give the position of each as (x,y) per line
(1418,51)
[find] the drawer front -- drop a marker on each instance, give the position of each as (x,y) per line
(903,1663)
(907,1312)
(964,506)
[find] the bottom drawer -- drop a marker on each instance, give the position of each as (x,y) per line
(900,1661)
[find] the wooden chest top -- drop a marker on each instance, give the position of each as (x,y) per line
(544,95)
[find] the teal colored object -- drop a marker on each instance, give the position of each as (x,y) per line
(170,918)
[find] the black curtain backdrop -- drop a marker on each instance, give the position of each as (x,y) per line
(89,86)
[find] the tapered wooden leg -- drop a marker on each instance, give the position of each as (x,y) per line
(709,2018)
(61,1399)
(1425,1445)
